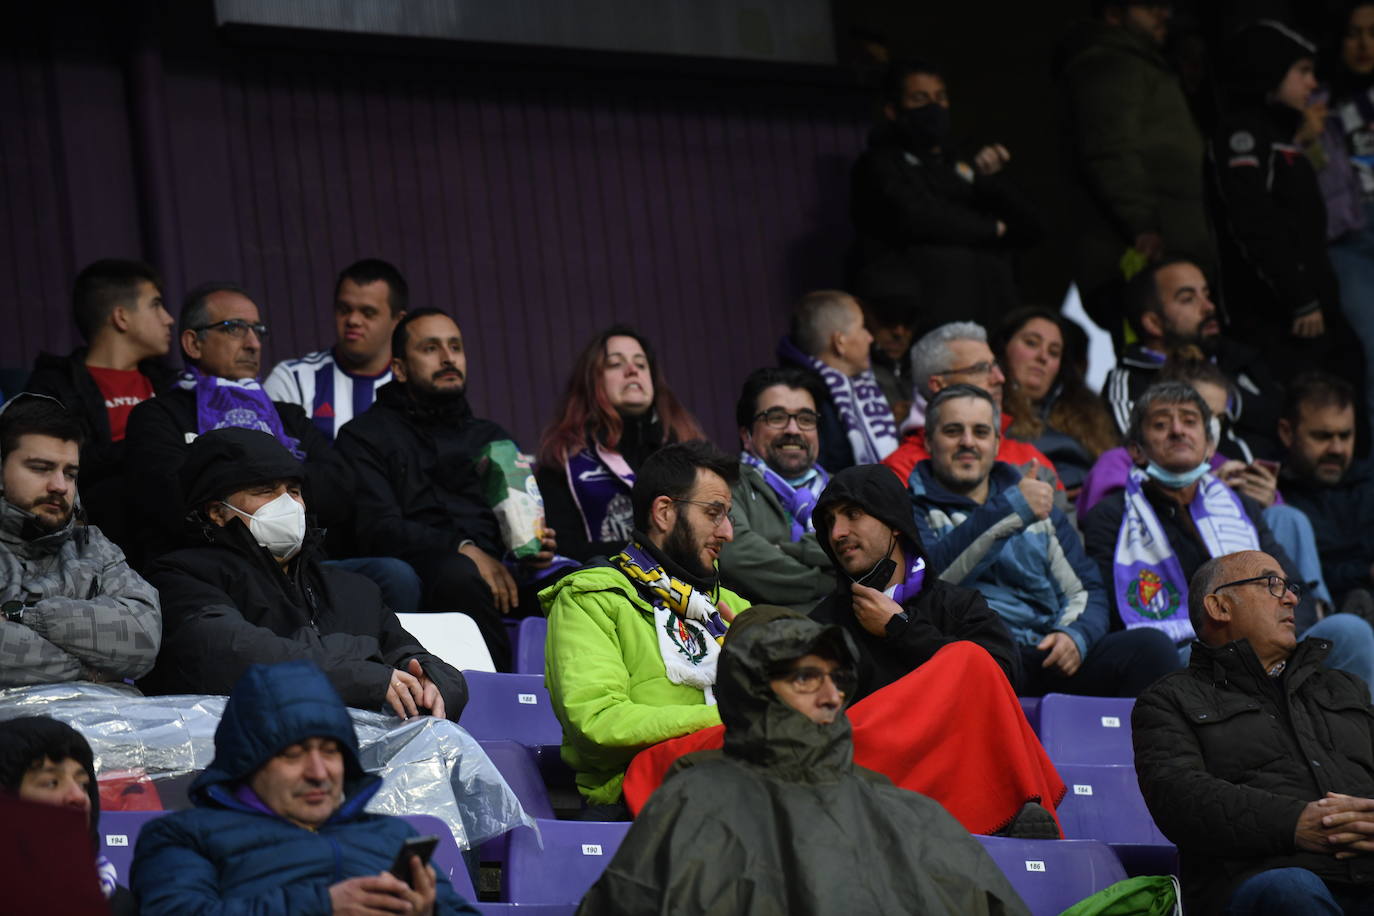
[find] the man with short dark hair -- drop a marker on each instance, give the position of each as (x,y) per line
(828,339)
(774,555)
(335,385)
(72,608)
(633,640)
(989,527)
(1169,306)
(1255,759)
(279,823)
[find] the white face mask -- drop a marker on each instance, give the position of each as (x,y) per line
(278,525)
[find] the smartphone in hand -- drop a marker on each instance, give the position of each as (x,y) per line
(1271,466)
(422,846)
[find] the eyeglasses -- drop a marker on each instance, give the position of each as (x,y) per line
(716,513)
(1277,585)
(234,327)
(809,680)
(777,418)
(984,368)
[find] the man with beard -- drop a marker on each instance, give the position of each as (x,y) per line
(774,555)
(415,452)
(633,640)
(988,526)
(1169,306)
(72,608)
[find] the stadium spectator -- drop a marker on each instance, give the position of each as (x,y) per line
(616,411)
(279,823)
(1169,307)
(251,590)
(1045,396)
(930,225)
(775,556)
(46,761)
(632,646)
(829,340)
(953,354)
(1175,514)
(1255,760)
(787,766)
(118,308)
(891,322)
(72,608)
(335,385)
(1136,154)
(988,527)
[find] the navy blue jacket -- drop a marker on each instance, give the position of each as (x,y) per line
(227,857)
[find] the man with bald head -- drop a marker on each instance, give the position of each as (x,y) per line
(1258,759)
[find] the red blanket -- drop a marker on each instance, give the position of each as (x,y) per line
(952,729)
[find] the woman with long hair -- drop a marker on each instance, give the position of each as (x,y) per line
(1050,404)
(616,412)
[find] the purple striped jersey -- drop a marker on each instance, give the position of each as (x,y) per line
(329,394)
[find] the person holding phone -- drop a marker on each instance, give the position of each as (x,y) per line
(279,824)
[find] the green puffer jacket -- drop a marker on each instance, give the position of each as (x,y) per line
(763,563)
(783,824)
(606,678)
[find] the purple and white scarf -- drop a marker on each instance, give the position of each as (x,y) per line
(222,402)
(863,409)
(910,586)
(600,481)
(1147,580)
(798,501)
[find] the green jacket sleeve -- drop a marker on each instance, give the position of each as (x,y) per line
(764,564)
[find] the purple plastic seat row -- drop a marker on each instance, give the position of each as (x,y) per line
(575,854)
(1087,729)
(528,650)
(1104,803)
(1052,875)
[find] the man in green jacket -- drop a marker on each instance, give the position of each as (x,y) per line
(775,556)
(633,640)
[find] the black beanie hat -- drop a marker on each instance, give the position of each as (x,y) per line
(225,460)
(31,739)
(1259,56)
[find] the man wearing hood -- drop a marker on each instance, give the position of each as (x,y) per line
(279,824)
(419,498)
(258,593)
(70,607)
(931,226)
(633,640)
(736,831)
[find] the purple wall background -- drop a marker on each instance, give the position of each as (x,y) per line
(536,205)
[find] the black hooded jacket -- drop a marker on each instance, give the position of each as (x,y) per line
(937,616)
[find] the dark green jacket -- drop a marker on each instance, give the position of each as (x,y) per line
(763,563)
(782,823)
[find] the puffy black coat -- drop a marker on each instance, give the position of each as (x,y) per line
(228,605)
(784,823)
(1227,759)
(938,615)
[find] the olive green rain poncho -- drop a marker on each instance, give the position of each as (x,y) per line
(782,822)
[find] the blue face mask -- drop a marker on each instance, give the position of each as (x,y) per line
(1177,480)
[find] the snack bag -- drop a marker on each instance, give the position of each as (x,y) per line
(509,487)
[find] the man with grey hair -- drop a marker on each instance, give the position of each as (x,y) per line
(958,354)
(221,340)
(1174,514)
(828,338)
(1255,759)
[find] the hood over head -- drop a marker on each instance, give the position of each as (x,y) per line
(875,489)
(759,727)
(225,460)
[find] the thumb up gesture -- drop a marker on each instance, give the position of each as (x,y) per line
(1038,494)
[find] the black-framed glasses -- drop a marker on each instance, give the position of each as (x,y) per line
(985,367)
(717,513)
(806,679)
(778,418)
(1277,585)
(234,327)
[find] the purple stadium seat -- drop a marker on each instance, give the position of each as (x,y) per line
(118,835)
(1087,729)
(527,909)
(517,766)
(1104,804)
(514,707)
(575,854)
(529,646)
(1031,707)
(1052,875)
(447,858)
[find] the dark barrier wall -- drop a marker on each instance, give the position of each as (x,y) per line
(537,203)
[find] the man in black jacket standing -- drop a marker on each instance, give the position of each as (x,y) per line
(256,593)
(1256,759)
(899,612)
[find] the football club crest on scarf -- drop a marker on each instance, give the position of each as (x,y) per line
(1152,597)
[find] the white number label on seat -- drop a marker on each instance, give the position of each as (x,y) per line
(1111,722)
(1082,790)
(527,699)
(1034,865)
(116,839)
(591,849)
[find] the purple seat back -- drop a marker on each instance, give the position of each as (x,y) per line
(575,854)
(511,706)
(529,646)
(1087,729)
(517,766)
(1031,707)
(447,858)
(1052,875)
(1104,803)
(118,836)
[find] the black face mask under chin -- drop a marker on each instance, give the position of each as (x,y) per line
(923,129)
(882,571)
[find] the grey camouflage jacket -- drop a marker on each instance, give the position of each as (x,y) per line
(93,618)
